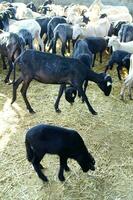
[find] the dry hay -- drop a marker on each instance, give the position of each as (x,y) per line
(108,136)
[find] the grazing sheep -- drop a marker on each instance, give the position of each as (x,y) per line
(117,58)
(54,69)
(82,52)
(65,143)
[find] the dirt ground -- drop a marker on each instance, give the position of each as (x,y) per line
(108,136)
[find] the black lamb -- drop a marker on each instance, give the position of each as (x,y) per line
(65,143)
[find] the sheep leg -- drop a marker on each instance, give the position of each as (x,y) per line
(85,87)
(30,44)
(107,67)
(67,169)
(54,46)
(37,168)
(63,164)
(37,159)
(23,92)
(4,63)
(41,44)
(84,97)
(56,105)
(9,72)
(68,46)
(100,57)
(45,42)
(130,93)
(118,71)
(63,48)
(122,92)
(41,167)
(15,86)
(94,60)
(73,43)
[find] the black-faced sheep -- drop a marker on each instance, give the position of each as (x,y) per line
(65,143)
(54,69)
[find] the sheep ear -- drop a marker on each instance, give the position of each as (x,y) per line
(109,83)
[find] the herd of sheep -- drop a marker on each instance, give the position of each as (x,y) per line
(91,30)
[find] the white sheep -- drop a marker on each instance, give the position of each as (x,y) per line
(117,45)
(97,29)
(123,16)
(25,13)
(128,81)
(114,13)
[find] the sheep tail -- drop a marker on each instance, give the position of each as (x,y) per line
(29,151)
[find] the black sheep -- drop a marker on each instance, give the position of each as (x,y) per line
(96,45)
(63,32)
(11,45)
(52,24)
(116,58)
(43,22)
(65,143)
(54,69)
(82,52)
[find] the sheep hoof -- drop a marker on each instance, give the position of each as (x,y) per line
(130,97)
(94,112)
(62,178)
(31,111)
(121,97)
(6,80)
(58,110)
(45,179)
(13,100)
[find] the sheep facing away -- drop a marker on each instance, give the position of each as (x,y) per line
(11,46)
(65,143)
